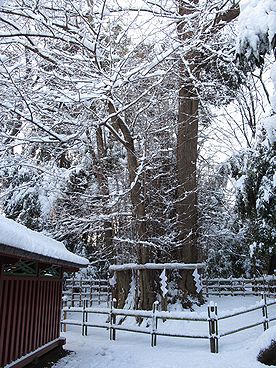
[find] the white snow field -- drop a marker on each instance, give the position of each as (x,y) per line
(133,350)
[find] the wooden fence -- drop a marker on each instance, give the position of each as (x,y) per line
(240,286)
(212,332)
(88,292)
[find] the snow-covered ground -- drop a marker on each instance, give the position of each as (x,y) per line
(133,350)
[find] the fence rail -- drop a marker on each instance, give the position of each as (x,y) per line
(89,291)
(81,296)
(240,286)
(212,321)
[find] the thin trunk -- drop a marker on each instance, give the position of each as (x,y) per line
(102,182)
(136,195)
(103,188)
(147,294)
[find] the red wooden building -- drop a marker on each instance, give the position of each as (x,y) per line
(31,270)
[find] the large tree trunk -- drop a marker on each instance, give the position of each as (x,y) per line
(186,174)
(187,146)
(187,142)
(122,287)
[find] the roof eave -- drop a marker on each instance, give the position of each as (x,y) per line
(21,253)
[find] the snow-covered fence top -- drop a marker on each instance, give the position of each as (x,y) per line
(157,266)
(20,237)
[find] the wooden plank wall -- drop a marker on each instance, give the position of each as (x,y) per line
(29,315)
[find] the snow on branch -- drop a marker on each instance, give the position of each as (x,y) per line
(257,28)
(156,266)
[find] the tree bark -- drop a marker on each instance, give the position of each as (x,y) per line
(187,142)
(122,287)
(137,201)
(186,174)
(102,182)
(103,188)
(147,293)
(186,158)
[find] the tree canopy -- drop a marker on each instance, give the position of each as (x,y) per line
(108,111)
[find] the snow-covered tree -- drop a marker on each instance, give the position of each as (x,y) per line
(254,168)
(117,117)
(257,30)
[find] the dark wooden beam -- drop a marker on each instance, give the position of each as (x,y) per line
(22,362)
(7,250)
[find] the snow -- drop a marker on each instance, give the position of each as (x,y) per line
(197,280)
(113,281)
(20,237)
(257,18)
(133,350)
(163,283)
(266,338)
(156,266)
(130,300)
(273,75)
(269,123)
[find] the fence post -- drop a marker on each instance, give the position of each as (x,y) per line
(72,292)
(108,298)
(269,283)
(83,320)
(273,291)
(80,293)
(90,292)
(213,326)
(231,286)
(112,330)
(85,294)
(254,288)
(206,283)
(64,301)
(99,292)
(265,313)
(154,323)
(243,286)
(64,326)
(264,284)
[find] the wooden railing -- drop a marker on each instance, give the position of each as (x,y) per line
(212,318)
(88,292)
(240,286)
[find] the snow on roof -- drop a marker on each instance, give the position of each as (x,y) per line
(18,236)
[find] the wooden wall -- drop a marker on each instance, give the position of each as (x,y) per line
(30,310)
